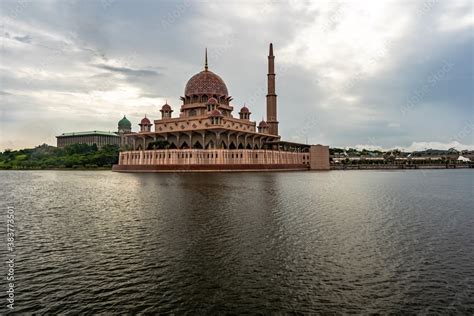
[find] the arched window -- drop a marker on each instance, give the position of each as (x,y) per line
(210,145)
(197,145)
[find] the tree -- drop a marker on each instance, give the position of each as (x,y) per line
(72,156)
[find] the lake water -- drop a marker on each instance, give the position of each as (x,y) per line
(302,242)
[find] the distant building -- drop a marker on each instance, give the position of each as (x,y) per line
(99,138)
(124,127)
(90,138)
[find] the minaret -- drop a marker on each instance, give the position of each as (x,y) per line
(271,96)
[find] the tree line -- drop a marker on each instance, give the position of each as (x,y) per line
(75,156)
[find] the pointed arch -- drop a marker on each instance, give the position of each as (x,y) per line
(210,140)
(223,145)
(210,145)
(184,138)
(197,145)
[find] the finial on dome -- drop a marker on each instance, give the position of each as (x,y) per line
(205,65)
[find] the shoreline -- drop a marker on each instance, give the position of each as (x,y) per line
(402,167)
(332,168)
(57,169)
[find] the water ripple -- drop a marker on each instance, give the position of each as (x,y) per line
(304,243)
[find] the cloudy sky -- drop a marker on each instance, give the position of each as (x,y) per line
(376,73)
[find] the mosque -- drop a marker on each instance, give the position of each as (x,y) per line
(205,136)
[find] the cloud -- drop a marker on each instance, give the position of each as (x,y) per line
(23,39)
(128,71)
(393,125)
(346,74)
(418,146)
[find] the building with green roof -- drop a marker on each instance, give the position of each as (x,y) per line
(124,125)
(99,138)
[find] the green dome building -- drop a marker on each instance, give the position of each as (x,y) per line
(124,126)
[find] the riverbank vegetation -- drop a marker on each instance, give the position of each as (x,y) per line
(76,156)
(83,156)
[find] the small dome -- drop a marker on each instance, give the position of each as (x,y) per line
(145,121)
(244,109)
(212,101)
(166,107)
(125,123)
(215,113)
(263,124)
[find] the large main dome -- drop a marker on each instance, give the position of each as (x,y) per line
(206,82)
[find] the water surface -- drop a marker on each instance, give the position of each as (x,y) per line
(303,242)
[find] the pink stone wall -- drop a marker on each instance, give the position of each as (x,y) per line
(213,157)
(319,157)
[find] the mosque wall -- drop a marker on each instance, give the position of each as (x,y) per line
(203,122)
(217,157)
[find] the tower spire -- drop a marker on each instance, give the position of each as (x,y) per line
(205,64)
(271,95)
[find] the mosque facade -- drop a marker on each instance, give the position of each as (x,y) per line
(206,136)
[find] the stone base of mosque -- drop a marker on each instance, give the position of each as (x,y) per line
(208,168)
(202,160)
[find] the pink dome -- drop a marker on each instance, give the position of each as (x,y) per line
(166,107)
(206,82)
(263,124)
(145,121)
(215,113)
(244,109)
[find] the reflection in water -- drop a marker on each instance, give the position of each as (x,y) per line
(347,242)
